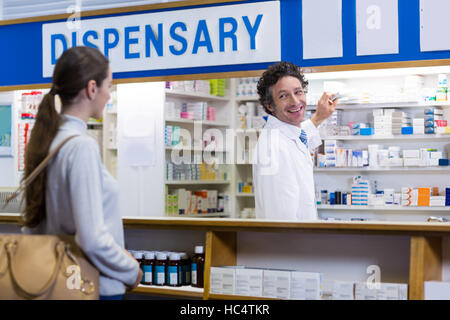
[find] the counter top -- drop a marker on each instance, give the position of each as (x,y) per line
(227,224)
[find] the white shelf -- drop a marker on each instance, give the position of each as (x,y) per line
(194,95)
(195,149)
(393,105)
(197,182)
(252,130)
(201,215)
(203,122)
(94,123)
(179,292)
(245,195)
(380,208)
(386,169)
(247,98)
(391,137)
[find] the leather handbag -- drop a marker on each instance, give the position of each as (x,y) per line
(45,266)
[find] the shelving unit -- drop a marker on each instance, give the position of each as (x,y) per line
(197,182)
(415,137)
(381,208)
(194,150)
(110,147)
(194,95)
(393,105)
(224,246)
(386,169)
(171,292)
(202,122)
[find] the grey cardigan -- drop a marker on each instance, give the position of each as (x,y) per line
(82,200)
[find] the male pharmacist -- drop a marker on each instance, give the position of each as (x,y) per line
(283,167)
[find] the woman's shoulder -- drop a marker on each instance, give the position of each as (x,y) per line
(79,144)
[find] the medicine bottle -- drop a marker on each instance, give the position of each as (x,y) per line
(198,267)
(160,269)
(185,269)
(138,255)
(174,270)
(148,264)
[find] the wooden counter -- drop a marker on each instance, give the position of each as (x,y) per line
(221,242)
(252,225)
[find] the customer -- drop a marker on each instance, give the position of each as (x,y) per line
(76,195)
(283,172)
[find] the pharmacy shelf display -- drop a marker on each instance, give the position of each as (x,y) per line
(196,121)
(405,143)
(403,95)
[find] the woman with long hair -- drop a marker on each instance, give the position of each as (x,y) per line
(76,195)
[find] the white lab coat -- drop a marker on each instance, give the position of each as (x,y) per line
(283,172)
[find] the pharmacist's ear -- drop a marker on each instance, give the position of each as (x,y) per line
(270,108)
(91,89)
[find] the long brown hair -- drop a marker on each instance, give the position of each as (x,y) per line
(74,69)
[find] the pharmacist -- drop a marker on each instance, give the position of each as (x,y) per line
(282,166)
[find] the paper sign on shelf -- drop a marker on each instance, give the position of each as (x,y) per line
(322,29)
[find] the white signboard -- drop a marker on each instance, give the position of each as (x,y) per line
(322,29)
(434,25)
(224,35)
(377,27)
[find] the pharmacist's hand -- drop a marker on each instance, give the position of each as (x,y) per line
(324,108)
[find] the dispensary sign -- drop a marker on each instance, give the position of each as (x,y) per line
(214,36)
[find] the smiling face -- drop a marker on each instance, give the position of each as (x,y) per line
(289,100)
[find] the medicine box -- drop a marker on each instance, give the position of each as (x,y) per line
(305,285)
(381,291)
(276,283)
(249,282)
(366,131)
(407,130)
(343,290)
(436,290)
(222,280)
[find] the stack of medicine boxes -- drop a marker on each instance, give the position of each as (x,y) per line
(269,283)
(360,191)
(431,115)
(389,121)
(330,153)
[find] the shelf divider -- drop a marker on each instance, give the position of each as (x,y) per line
(221,249)
(425,264)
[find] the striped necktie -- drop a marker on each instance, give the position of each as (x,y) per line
(304,138)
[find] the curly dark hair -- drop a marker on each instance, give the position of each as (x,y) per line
(272,75)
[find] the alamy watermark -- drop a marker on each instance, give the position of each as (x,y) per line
(226,146)
(74,20)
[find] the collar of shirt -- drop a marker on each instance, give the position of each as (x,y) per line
(291,131)
(74,123)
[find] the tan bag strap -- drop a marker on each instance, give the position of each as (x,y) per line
(60,249)
(26,182)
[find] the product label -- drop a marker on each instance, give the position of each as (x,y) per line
(185,274)
(194,273)
(173,275)
(148,274)
(160,274)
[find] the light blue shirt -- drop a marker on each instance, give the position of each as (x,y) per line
(82,199)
